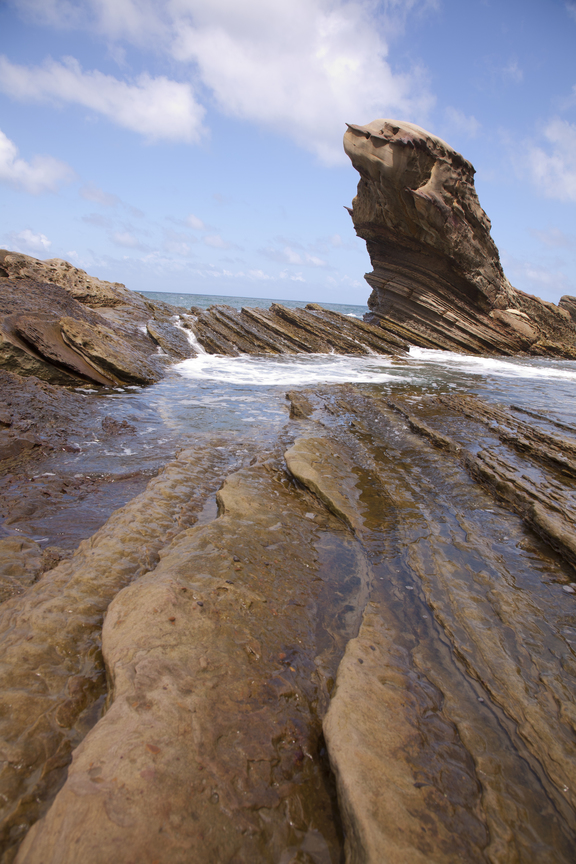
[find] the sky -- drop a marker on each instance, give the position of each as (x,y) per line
(196,145)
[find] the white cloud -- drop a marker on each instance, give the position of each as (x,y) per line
(42,174)
(90,192)
(458,121)
(571,9)
(288,255)
(125,238)
(216,242)
(554,170)
(195,223)
(302,68)
(555,238)
(513,72)
(154,107)
(27,242)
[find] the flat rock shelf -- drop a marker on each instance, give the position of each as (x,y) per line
(351,642)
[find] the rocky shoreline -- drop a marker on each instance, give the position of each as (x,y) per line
(352,640)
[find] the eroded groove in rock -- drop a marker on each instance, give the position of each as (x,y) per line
(209,748)
(51,671)
(454,706)
(538,493)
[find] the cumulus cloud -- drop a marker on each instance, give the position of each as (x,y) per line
(302,68)
(27,242)
(553,170)
(42,174)
(158,108)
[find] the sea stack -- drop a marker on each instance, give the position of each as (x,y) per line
(437,275)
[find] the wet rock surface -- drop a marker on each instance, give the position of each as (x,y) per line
(366,650)
(437,280)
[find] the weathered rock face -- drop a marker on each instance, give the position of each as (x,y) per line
(569,305)
(280,330)
(64,326)
(437,272)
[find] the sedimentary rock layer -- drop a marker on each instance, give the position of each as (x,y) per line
(280,330)
(371,549)
(65,327)
(436,270)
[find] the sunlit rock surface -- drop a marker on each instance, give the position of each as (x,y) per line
(437,279)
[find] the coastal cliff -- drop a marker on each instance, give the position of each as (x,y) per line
(436,272)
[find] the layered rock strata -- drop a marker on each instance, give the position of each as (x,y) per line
(65,327)
(364,551)
(281,330)
(436,270)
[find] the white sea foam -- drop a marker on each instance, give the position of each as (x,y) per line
(287,370)
(423,366)
(501,366)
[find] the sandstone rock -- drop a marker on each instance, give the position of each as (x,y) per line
(313,462)
(437,271)
(36,295)
(171,339)
(208,748)
(84,288)
(21,562)
(569,305)
(280,330)
(110,354)
(43,335)
(51,669)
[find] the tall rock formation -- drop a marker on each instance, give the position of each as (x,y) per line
(437,279)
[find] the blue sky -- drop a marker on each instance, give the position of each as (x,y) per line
(195,145)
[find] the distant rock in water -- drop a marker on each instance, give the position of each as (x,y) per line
(437,280)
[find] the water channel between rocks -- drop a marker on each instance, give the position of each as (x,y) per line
(447,621)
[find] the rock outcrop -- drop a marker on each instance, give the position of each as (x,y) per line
(436,270)
(66,327)
(281,330)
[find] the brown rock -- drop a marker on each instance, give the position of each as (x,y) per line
(84,288)
(437,271)
(21,562)
(170,338)
(109,353)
